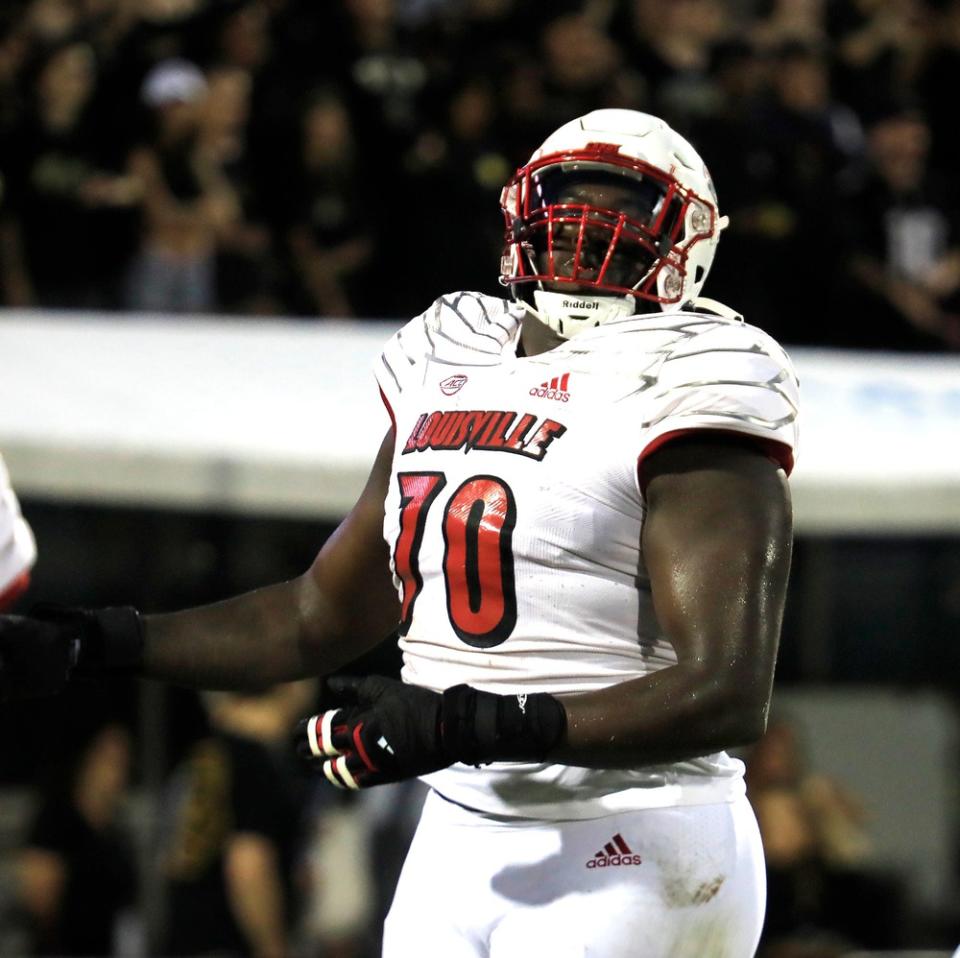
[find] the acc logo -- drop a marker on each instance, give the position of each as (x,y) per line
(453,384)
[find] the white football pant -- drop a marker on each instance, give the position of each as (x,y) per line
(684,882)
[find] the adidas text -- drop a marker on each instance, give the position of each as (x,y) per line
(542,393)
(611,861)
(555,388)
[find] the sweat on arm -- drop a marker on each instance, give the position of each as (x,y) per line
(716,543)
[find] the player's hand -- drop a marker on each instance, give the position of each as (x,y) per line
(39,654)
(36,657)
(376,730)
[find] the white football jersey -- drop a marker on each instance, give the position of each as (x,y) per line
(515,511)
(17,548)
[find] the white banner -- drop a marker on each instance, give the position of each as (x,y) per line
(283,417)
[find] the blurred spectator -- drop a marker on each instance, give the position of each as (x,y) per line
(457,172)
(131,40)
(14,51)
(68,222)
(815,844)
(936,84)
(242,214)
(903,243)
(880,45)
(743,163)
(671,50)
(345,862)
(521,101)
(355,853)
(76,872)
(234,825)
(51,21)
(382,71)
(243,36)
(789,21)
(812,140)
(245,274)
(807,107)
(188,202)
(581,68)
(328,231)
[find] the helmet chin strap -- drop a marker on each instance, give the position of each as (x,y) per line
(568,314)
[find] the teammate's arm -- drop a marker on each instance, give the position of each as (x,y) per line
(342,606)
(716,542)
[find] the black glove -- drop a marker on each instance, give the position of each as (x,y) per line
(36,658)
(378,731)
(39,654)
(381,730)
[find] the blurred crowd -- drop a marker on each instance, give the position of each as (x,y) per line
(256,859)
(248,856)
(345,158)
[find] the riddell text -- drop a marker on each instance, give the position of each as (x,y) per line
(494,429)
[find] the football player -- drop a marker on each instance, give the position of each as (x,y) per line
(579,524)
(18,551)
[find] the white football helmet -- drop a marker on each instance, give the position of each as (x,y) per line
(614,214)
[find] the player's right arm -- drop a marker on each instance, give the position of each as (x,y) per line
(341,606)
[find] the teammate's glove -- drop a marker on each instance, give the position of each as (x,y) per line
(381,730)
(40,653)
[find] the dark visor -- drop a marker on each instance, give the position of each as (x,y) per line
(638,197)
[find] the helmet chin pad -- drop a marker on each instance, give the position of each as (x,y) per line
(569,314)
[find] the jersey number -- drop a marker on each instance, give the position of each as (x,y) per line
(478,522)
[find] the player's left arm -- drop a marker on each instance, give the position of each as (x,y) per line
(716,542)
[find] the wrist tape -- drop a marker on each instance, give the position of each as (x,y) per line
(478,727)
(115,642)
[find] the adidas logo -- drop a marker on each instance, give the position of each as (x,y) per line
(555,388)
(615,852)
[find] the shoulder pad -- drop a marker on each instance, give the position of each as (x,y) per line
(703,304)
(459,329)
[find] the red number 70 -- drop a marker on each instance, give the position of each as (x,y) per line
(478,522)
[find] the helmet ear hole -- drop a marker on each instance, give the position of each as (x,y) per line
(698,274)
